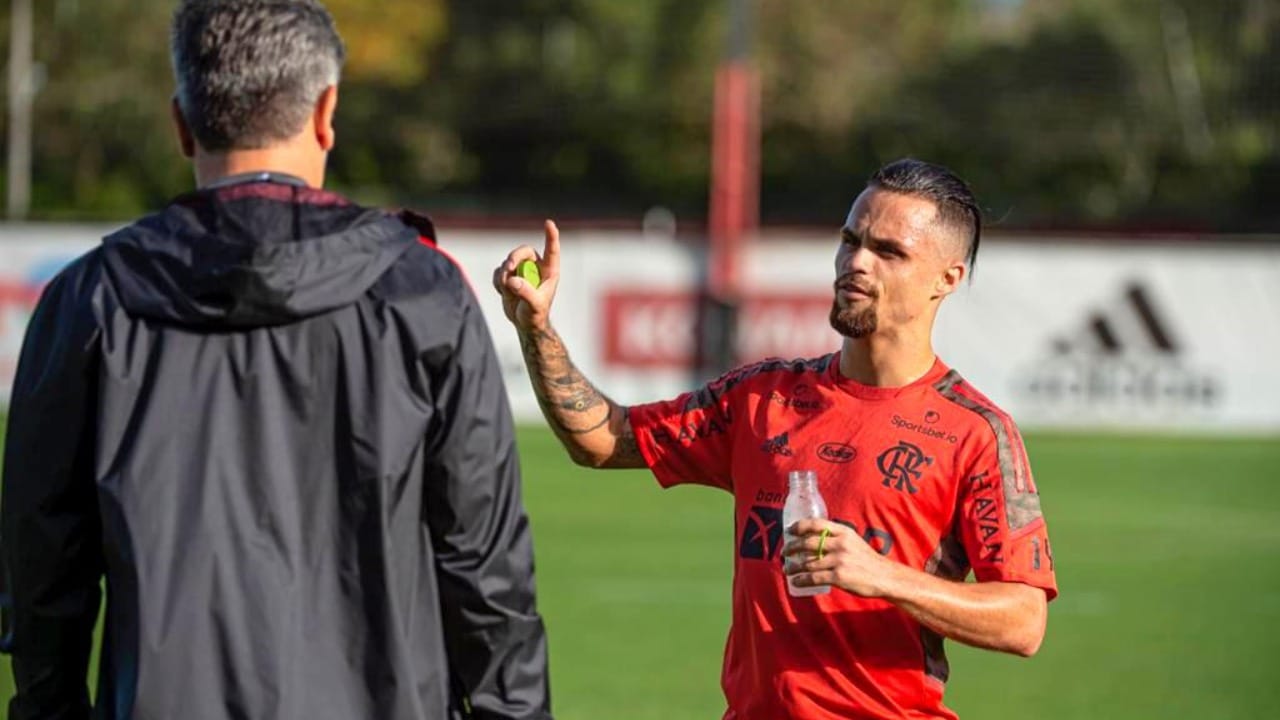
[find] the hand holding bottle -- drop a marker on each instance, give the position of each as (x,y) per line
(819,553)
(804,502)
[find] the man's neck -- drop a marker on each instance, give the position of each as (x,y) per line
(887,360)
(213,167)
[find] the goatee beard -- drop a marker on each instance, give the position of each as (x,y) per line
(853,323)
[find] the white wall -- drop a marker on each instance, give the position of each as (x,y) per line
(1062,332)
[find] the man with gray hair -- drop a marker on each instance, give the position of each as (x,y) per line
(274,421)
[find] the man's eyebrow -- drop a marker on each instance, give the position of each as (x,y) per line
(887,243)
(849,236)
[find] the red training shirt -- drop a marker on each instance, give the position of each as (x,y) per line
(932,475)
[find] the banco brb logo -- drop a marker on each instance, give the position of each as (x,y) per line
(900,465)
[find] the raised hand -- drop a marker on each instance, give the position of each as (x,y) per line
(525,306)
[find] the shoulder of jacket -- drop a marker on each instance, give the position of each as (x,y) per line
(80,277)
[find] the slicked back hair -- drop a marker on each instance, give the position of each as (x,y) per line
(249,72)
(956,204)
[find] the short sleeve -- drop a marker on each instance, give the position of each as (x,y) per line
(687,439)
(1001,523)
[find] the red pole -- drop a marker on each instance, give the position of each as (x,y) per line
(735,185)
(735,191)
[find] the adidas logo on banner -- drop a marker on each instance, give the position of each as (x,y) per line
(1123,356)
(1131,326)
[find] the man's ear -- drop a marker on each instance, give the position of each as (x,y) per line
(950,279)
(185,139)
(322,118)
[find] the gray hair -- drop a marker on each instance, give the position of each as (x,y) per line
(249,72)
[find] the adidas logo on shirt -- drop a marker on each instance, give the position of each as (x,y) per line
(779,445)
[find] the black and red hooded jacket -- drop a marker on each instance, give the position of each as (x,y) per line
(274,421)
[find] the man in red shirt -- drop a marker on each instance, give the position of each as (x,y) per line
(924,478)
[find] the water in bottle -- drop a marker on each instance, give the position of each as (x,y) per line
(803,501)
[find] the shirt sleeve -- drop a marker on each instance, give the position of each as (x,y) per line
(49,524)
(1001,524)
(688,439)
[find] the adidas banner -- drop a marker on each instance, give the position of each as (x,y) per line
(1062,332)
(1089,334)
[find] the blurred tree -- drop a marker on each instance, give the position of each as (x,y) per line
(561,105)
(811,164)
(1054,116)
(102,147)
(387,42)
(1140,112)
(382,131)
(1061,112)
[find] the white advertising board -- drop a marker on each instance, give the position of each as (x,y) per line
(1061,332)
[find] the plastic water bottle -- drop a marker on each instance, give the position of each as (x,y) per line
(803,501)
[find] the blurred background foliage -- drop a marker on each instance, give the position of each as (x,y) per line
(1127,114)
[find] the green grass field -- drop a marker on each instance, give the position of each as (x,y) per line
(1168,558)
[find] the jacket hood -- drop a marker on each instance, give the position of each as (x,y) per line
(254,254)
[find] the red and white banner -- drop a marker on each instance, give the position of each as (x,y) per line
(1061,332)
(655,330)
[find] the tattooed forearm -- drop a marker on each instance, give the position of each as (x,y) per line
(584,430)
(571,403)
(593,428)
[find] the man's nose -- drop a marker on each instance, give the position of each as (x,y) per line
(857,260)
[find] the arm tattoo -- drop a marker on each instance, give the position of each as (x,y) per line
(570,402)
(626,453)
(572,405)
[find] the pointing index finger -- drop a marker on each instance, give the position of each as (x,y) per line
(551,248)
